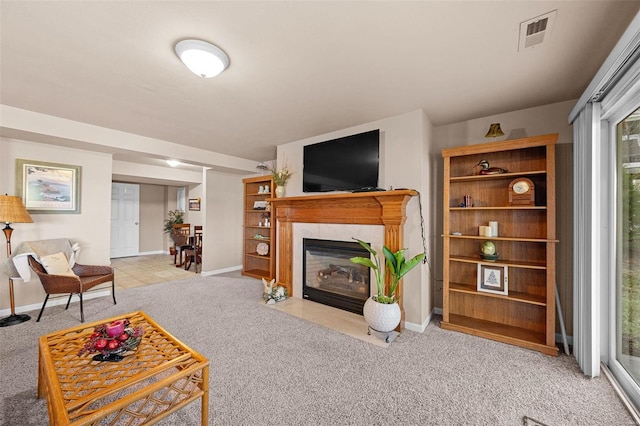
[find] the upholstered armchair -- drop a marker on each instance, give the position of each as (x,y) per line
(83,278)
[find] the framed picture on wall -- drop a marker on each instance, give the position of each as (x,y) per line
(493,279)
(48,187)
(194,204)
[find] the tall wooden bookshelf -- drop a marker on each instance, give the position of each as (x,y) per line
(259,248)
(525,314)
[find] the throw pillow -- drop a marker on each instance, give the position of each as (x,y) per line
(56,264)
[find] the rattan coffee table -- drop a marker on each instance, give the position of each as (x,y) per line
(160,377)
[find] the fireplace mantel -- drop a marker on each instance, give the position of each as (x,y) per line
(386,208)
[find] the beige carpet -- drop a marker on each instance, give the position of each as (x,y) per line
(272,368)
(336,319)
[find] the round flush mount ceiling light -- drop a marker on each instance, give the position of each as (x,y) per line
(202,58)
(173,163)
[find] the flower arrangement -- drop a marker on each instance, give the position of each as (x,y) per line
(114,338)
(280,177)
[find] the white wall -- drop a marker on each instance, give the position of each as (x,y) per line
(134,172)
(152,217)
(222,237)
(91,228)
(196,217)
(404,146)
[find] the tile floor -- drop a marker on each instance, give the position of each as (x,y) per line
(157,268)
(138,271)
(344,322)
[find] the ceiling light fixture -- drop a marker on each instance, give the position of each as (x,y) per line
(202,58)
(173,163)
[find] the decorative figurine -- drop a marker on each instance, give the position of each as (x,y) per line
(486,170)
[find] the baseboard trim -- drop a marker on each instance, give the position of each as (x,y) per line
(221,271)
(420,328)
(55,302)
(148,253)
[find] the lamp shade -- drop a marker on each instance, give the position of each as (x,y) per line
(202,58)
(12,210)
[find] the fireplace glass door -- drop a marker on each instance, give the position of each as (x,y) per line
(329,276)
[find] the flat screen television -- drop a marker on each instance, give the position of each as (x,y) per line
(349,163)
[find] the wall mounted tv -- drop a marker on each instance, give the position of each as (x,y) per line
(349,163)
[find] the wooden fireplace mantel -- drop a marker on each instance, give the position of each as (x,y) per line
(386,208)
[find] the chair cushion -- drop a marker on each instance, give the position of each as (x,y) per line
(56,264)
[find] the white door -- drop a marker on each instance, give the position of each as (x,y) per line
(125,211)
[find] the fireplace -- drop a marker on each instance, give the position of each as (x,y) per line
(330,278)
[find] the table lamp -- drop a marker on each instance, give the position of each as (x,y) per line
(12,211)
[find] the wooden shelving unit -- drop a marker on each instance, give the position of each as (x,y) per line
(526,243)
(257,231)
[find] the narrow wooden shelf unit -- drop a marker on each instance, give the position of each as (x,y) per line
(258,229)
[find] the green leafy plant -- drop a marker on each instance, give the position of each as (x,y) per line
(396,266)
(173,217)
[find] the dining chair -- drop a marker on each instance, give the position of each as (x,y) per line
(180,235)
(193,253)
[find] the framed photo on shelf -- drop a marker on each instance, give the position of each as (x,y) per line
(48,187)
(194,204)
(493,279)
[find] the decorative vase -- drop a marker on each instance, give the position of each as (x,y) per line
(382,317)
(279,191)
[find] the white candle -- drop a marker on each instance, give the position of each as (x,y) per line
(494,228)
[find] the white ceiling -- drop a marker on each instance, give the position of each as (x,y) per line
(298,68)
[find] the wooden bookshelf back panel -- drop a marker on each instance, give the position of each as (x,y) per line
(508,250)
(511,313)
(256,262)
(519,161)
(511,223)
(500,332)
(251,232)
(464,273)
(493,192)
(528,281)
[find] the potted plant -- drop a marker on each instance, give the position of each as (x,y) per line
(173,217)
(382,311)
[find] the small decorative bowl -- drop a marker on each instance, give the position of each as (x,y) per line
(490,257)
(113,341)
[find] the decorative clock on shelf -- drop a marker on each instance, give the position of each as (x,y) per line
(522,192)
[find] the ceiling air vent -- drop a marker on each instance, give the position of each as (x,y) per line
(536,31)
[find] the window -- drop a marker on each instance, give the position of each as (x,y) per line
(182,199)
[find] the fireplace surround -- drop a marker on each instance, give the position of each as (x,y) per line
(387,208)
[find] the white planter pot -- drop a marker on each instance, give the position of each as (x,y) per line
(279,191)
(381,316)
